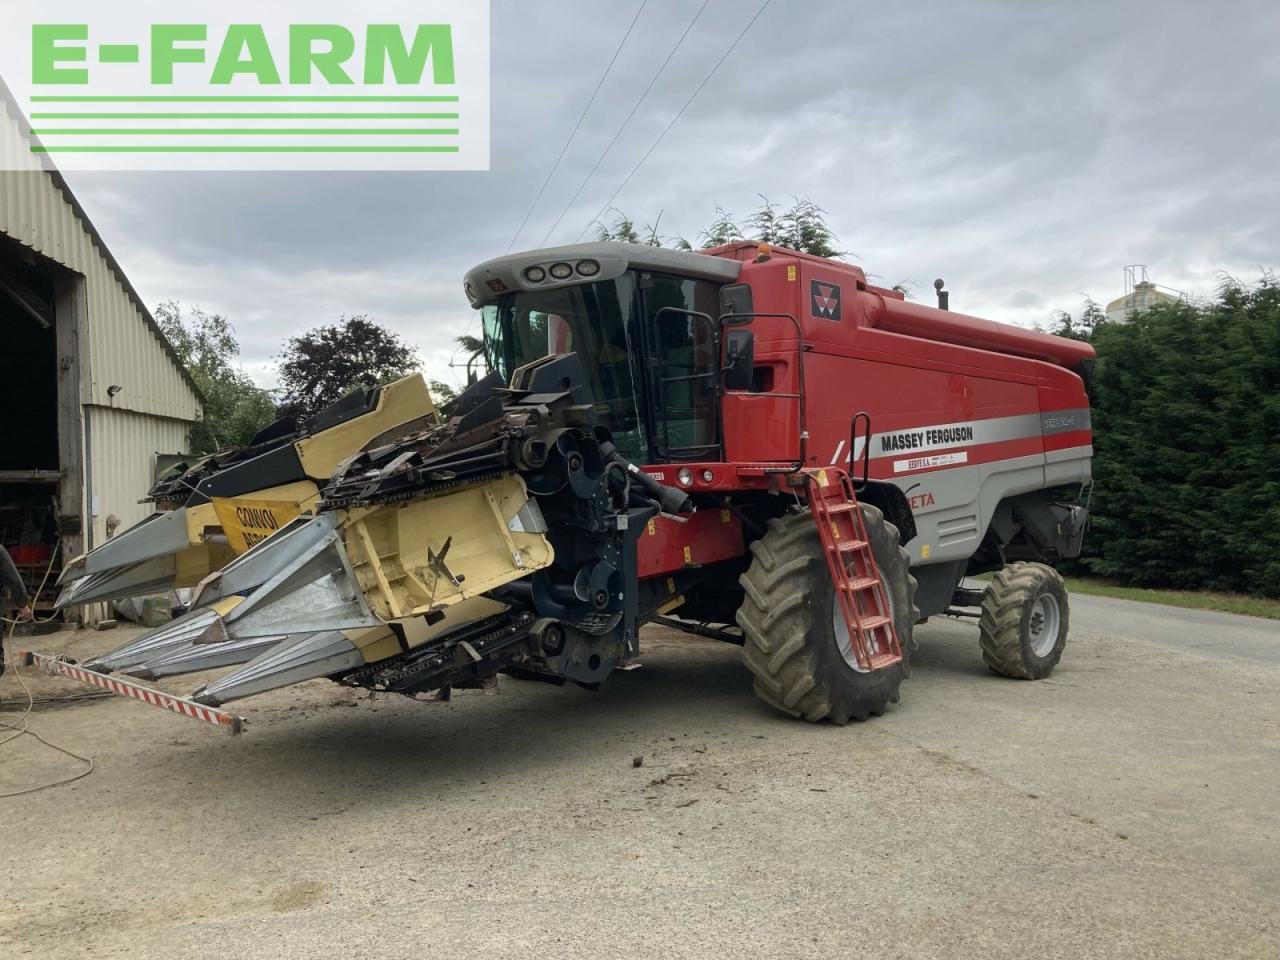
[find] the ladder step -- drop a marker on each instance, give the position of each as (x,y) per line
(881,660)
(843,507)
(874,623)
(861,583)
(848,546)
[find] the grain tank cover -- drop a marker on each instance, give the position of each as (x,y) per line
(929,323)
(552,267)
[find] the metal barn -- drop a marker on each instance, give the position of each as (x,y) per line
(93,394)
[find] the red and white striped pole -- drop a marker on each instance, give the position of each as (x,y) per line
(136,691)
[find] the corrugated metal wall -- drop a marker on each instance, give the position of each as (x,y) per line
(156,404)
(123,347)
(122,457)
(122,452)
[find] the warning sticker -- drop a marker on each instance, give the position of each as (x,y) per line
(926,463)
(249,522)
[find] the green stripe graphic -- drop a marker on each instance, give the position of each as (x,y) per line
(244,116)
(242,99)
(243,149)
(245,131)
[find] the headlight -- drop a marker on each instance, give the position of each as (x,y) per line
(588,268)
(535,274)
(561,271)
(685,477)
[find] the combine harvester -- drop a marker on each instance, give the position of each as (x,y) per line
(755,445)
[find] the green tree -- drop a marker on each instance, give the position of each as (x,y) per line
(624,230)
(234,408)
(470,345)
(441,392)
(723,229)
(1083,327)
(325,363)
(473,348)
(1186,402)
(801,226)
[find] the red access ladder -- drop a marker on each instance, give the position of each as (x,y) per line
(860,592)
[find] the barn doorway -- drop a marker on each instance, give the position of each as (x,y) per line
(41,489)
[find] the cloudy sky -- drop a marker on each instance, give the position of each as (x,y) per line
(1025,151)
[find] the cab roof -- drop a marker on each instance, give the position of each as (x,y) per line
(493,278)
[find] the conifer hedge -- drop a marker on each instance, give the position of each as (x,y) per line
(1186,419)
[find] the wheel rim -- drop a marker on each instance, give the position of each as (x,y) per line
(841,629)
(1044,624)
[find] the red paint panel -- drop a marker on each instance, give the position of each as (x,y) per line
(1069,439)
(760,428)
(710,535)
(898,397)
(906,364)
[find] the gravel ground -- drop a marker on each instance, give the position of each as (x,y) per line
(1127,807)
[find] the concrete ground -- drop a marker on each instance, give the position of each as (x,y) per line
(1127,807)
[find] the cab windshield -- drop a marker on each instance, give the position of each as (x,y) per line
(595,320)
(661,411)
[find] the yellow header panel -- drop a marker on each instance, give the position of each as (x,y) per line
(249,522)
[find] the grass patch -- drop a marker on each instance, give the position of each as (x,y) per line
(1192,599)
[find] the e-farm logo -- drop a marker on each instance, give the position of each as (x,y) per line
(239,85)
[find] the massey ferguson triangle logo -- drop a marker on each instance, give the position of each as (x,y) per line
(826,299)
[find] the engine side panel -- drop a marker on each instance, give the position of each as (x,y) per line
(956,427)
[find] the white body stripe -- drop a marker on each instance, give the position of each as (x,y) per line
(941,436)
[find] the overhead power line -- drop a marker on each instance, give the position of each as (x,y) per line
(599,160)
(667,129)
(574,132)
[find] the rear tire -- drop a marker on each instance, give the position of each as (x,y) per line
(788,623)
(1023,627)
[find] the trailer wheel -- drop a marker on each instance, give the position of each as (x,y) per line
(790,623)
(1023,627)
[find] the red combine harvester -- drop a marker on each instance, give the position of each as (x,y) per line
(747,443)
(740,371)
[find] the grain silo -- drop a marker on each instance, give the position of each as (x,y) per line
(1140,294)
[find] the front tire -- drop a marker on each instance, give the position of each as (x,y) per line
(1023,627)
(789,623)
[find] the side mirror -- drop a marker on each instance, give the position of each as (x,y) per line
(739,360)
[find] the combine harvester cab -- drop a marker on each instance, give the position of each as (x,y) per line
(750,444)
(212,510)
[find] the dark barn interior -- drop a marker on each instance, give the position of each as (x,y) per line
(29,465)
